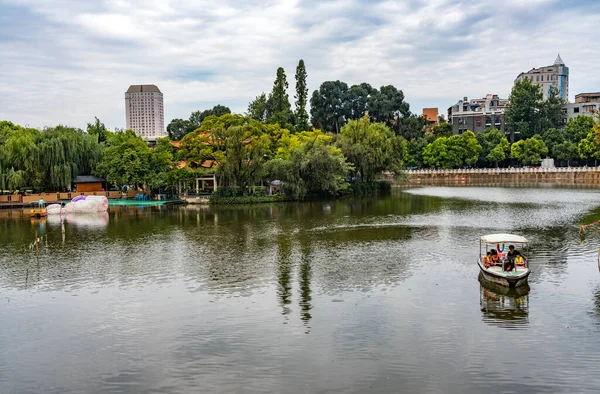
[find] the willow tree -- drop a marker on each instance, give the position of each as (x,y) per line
(371,148)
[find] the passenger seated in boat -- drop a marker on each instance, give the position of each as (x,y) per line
(487,259)
(509,265)
(493,257)
(512,252)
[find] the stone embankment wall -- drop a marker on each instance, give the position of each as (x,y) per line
(506,176)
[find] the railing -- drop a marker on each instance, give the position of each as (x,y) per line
(504,170)
(56,197)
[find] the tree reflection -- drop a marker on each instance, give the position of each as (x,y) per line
(504,307)
(284,271)
(305,276)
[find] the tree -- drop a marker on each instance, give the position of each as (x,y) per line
(499,152)
(523,113)
(566,150)
(278,106)
(453,151)
(356,102)
(126,160)
(47,160)
(257,109)
(489,140)
(179,128)
(442,130)
(578,128)
(312,167)
(197,117)
(301,116)
(589,147)
(327,106)
(413,155)
(471,147)
(388,105)
(529,151)
(552,137)
(413,126)
(370,147)
(98,129)
(552,113)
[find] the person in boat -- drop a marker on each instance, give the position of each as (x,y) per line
(515,256)
(512,252)
(494,258)
(487,259)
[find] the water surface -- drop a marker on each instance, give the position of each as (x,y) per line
(376,295)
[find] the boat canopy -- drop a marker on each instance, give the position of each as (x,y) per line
(503,239)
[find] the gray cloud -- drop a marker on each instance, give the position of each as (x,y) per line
(68,61)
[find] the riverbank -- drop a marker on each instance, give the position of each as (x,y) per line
(504,176)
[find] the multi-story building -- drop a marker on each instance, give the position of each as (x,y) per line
(144,112)
(587,97)
(431,115)
(573,110)
(556,75)
(478,114)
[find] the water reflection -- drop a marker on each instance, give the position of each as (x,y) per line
(504,307)
(304,279)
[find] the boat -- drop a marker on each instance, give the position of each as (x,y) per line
(495,273)
(39,211)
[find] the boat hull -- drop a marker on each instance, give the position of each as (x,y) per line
(501,279)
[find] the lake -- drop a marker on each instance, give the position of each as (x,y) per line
(368,295)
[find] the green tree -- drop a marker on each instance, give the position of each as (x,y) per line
(413,154)
(499,152)
(179,128)
(312,168)
(413,126)
(257,109)
(388,106)
(98,129)
(278,105)
(552,113)
(442,130)
(489,140)
(589,147)
(523,114)
(552,137)
(566,150)
(529,151)
(126,160)
(46,160)
(578,128)
(471,147)
(357,99)
(301,116)
(371,148)
(328,109)
(197,117)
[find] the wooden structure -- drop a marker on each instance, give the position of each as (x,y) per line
(89,183)
(205,182)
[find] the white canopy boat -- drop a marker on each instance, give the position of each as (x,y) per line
(495,266)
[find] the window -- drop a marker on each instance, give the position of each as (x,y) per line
(575,110)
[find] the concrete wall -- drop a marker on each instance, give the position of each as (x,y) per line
(499,177)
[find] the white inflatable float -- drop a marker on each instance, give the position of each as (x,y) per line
(80,204)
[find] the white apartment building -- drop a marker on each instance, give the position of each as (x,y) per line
(556,75)
(144,112)
(573,110)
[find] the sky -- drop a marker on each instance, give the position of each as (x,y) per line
(65,62)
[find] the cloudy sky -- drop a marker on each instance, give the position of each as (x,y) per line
(67,61)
